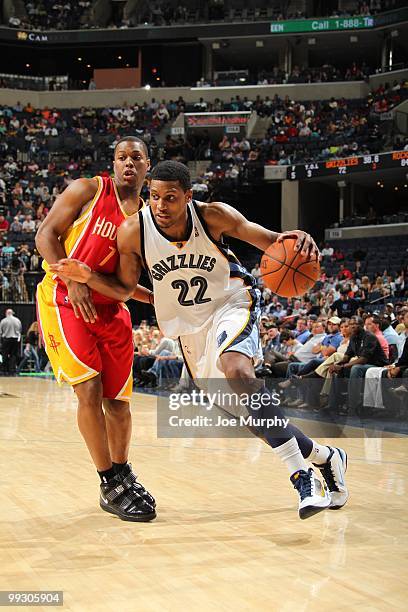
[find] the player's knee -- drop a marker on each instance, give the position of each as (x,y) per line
(116,408)
(239,373)
(89,393)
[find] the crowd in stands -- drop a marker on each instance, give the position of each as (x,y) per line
(42,151)
(354,364)
(53,15)
(299,132)
(67,14)
(158,361)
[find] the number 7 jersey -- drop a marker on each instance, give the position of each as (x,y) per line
(191,279)
(92,236)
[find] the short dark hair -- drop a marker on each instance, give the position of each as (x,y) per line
(133,139)
(172,171)
(376,319)
(285,335)
(357,319)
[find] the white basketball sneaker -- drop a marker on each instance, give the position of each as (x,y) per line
(313,496)
(333,472)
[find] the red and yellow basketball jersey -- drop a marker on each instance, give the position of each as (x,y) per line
(92,237)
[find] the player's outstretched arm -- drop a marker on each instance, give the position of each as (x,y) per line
(223,219)
(119,286)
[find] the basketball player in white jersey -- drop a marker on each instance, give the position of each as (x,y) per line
(206,299)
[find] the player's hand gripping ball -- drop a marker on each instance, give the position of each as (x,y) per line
(289,272)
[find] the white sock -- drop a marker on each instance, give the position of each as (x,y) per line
(290,454)
(319,454)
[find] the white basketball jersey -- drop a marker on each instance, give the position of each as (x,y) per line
(192,278)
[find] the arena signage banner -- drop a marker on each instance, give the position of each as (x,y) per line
(322,25)
(195,120)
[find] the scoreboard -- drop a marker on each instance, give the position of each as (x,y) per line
(349,165)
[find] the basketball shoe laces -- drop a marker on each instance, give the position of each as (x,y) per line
(329,477)
(303,484)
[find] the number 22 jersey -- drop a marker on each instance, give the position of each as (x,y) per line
(191,278)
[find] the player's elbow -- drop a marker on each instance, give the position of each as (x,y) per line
(125,293)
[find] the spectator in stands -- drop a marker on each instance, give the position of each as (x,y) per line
(256,272)
(316,394)
(145,360)
(327,347)
(378,290)
(394,340)
(165,370)
(400,284)
(389,311)
(302,332)
(28,224)
(327,251)
(344,273)
(8,250)
(378,393)
(372,324)
(162,114)
(288,349)
(364,351)
(31,348)
(4,225)
(304,353)
(397,371)
(400,327)
(16,227)
(273,341)
(344,306)
(35,261)
(365,288)
(338,255)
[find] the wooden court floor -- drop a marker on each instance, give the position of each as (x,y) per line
(227,536)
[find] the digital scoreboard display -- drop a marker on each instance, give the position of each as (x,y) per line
(348,165)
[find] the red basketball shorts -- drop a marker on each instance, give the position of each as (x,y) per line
(78,350)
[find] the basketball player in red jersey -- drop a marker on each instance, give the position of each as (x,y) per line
(88,337)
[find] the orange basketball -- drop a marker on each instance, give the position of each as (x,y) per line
(286,272)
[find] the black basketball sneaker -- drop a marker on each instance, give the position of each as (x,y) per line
(118,496)
(137,486)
